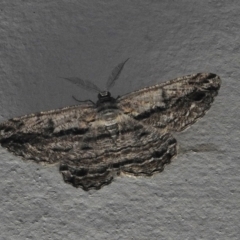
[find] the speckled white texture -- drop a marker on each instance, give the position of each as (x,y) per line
(197,196)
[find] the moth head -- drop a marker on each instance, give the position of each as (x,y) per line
(104,96)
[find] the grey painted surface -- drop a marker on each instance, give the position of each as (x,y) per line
(197,196)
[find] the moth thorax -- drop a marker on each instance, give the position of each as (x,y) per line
(104,96)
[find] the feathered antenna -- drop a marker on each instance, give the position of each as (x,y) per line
(84,84)
(115,74)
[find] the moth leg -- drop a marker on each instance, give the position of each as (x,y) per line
(83,101)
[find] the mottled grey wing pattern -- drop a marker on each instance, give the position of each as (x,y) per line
(40,137)
(92,147)
(173,105)
(93,144)
(118,145)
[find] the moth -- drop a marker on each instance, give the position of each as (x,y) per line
(132,134)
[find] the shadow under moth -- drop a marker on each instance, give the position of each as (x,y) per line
(131,134)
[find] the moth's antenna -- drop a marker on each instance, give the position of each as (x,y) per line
(115,74)
(84,84)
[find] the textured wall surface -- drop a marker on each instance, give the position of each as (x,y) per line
(197,195)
